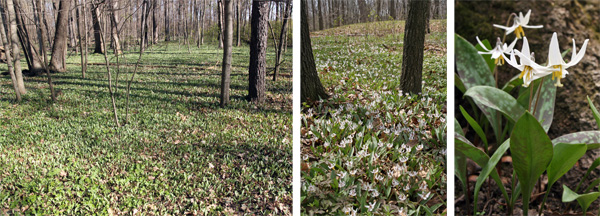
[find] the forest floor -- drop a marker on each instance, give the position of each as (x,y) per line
(370,149)
(178,154)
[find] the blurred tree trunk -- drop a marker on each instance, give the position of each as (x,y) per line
(286,16)
(15,50)
(320,8)
(364,10)
(227,49)
(310,84)
(414,42)
(59,49)
(239,18)
(258,51)
(392,9)
(167,24)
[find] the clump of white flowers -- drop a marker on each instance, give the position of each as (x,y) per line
(530,70)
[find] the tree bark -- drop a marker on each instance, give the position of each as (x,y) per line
(239,18)
(286,16)
(310,84)
(59,49)
(97,28)
(40,31)
(227,49)
(364,10)
(154,22)
(167,26)
(114,20)
(320,9)
(392,9)
(81,41)
(220,23)
(414,41)
(29,48)
(16,52)
(258,51)
(9,60)
(314,17)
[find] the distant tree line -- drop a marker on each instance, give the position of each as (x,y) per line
(323,14)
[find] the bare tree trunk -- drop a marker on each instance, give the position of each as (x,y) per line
(310,84)
(12,31)
(314,17)
(167,25)
(258,51)
(220,14)
(9,60)
(414,41)
(392,9)
(114,20)
(59,49)
(144,7)
(286,16)
(29,48)
(227,49)
(112,95)
(320,8)
(239,18)
(97,28)
(81,41)
(154,22)
(40,31)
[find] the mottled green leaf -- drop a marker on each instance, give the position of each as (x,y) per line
(470,66)
(544,111)
(531,151)
(591,138)
(496,99)
(584,200)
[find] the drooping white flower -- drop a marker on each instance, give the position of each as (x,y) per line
(556,61)
(498,51)
(530,70)
(519,22)
(402,197)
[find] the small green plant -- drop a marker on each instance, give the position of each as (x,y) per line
(519,123)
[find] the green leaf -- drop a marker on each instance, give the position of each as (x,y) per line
(591,138)
(594,111)
(463,146)
(544,112)
(485,96)
(470,66)
(487,57)
(475,126)
(459,84)
(532,151)
(592,185)
(565,157)
(490,167)
(512,83)
(584,200)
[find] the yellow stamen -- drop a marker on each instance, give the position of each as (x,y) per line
(499,61)
(558,74)
(526,74)
(519,32)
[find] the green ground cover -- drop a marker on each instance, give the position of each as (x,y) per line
(371,149)
(178,154)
